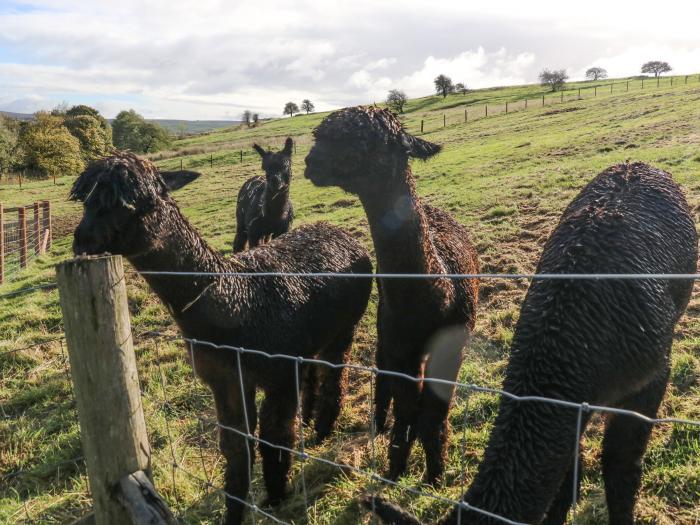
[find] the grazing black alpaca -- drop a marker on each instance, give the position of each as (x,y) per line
(128,211)
(263,209)
(604,342)
(366,151)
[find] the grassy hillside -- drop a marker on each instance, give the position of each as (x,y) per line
(507,177)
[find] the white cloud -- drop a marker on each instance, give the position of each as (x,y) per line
(210,58)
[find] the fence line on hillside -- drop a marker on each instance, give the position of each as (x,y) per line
(236,151)
(469,112)
(366,468)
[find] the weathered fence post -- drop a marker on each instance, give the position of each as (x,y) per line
(37,229)
(579,93)
(444,120)
(542,100)
(22,224)
(628,86)
(180,164)
(506,107)
(658,81)
(421,126)
(595,91)
(46,221)
(671,81)
(211,161)
(486,110)
(106,385)
(611,88)
(525,103)
(241,156)
(466,116)
(2,244)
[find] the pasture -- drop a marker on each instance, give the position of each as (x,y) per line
(506,177)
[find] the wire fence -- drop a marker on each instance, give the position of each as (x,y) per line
(476,110)
(23,238)
(366,375)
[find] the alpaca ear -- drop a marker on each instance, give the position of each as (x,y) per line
(288,145)
(174,180)
(260,151)
(419,148)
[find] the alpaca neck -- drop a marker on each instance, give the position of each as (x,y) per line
(275,201)
(401,234)
(177,247)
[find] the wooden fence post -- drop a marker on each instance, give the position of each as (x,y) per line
(642,83)
(658,81)
(421,126)
(2,244)
(562,95)
(506,107)
(628,86)
(595,91)
(542,100)
(22,223)
(611,88)
(579,93)
(105,380)
(444,120)
(46,223)
(37,229)
(211,161)
(525,103)
(466,117)
(486,110)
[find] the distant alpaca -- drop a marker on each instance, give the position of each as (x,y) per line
(365,151)
(604,342)
(263,209)
(128,211)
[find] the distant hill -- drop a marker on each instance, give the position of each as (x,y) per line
(191,127)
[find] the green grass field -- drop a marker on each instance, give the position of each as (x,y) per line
(507,177)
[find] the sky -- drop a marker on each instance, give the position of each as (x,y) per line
(212,59)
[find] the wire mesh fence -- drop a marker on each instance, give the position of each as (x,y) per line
(364,375)
(25,233)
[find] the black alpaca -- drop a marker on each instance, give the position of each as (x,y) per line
(366,151)
(128,211)
(604,342)
(263,209)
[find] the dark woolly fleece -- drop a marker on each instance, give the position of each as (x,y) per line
(365,151)
(128,211)
(604,342)
(263,208)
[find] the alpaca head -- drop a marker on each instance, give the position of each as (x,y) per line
(361,148)
(120,195)
(277,165)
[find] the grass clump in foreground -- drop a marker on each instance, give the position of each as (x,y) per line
(507,178)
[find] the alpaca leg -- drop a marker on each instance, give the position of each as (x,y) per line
(239,241)
(406,395)
(624,444)
(433,425)
(309,385)
(558,510)
(382,392)
(277,417)
(235,448)
(333,384)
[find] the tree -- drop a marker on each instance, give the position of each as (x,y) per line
(461,88)
(94,140)
(656,66)
(82,109)
(307,105)
(256,118)
(396,100)
(10,151)
(246,117)
(596,73)
(443,85)
(554,79)
(290,108)
(48,147)
(131,131)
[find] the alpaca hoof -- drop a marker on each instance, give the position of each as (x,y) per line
(380,426)
(432,479)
